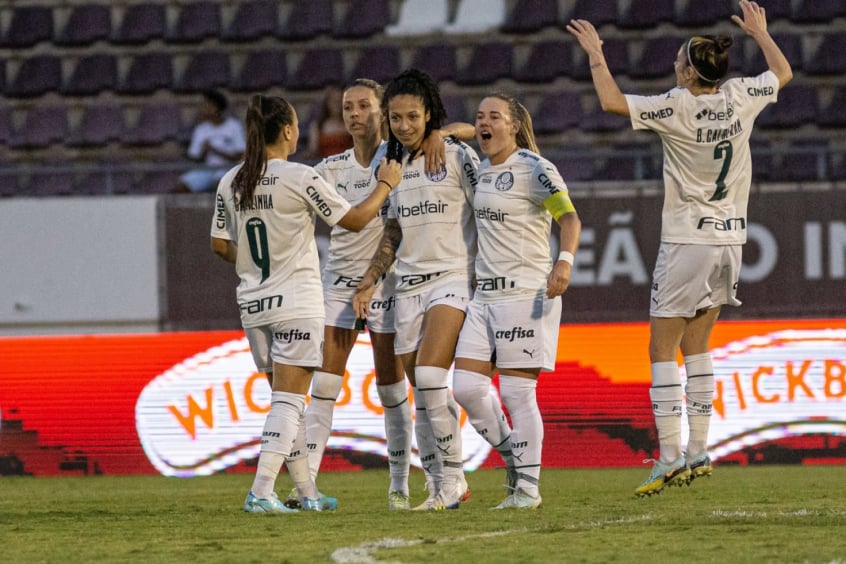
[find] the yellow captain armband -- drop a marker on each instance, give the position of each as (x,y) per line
(559,204)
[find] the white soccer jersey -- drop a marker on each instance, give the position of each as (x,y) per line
(277,254)
(227,137)
(435,213)
(707,161)
(349,252)
(514,226)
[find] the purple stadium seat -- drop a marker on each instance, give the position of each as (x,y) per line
(196,21)
(629,161)
(597,12)
(157,182)
(616,54)
(804,160)
(141,23)
(797,106)
(43,126)
(639,16)
(308,20)
(50,183)
(439,60)
(106,179)
(92,74)
(205,70)
(319,67)
(703,14)
(778,9)
(829,55)
(575,166)
(5,124)
(762,160)
(380,63)
(158,122)
(29,25)
(488,63)
(86,24)
(557,112)
(529,16)
(253,19)
(833,114)
(148,72)
(814,11)
(548,60)
(99,126)
(262,70)
(456,109)
(364,18)
(598,120)
(789,43)
(37,75)
(657,58)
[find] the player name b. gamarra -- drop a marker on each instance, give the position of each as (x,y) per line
(718,134)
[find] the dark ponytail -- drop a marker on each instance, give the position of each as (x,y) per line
(709,56)
(414,82)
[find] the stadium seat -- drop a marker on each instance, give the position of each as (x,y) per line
(141,23)
(253,20)
(307,20)
(364,18)
(598,120)
(548,60)
(529,16)
(92,74)
(100,125)
(5,124)
(206,70)
(797,106)
(106,179)
(804,160)
(51,183)
(639,16)
(657,58)
(157,182)
(616,55)
(477,16)
(319,67)
(2,75)
(762,159)
(380,63)
(196,21)
(789,43)
(778,10)
(703,14)
(573,166)
(558,112)
(456,108)
(148,72)
(833,113)
(29,25)
(488,63)
(420,17)
(439,60)
(828,58)
(86,24)
(597,12)
(262,70)
(158,122)
(36,75)
(814,11)
(42,127)
(629,161)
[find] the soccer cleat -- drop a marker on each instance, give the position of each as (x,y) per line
(322,503)
(699,466)
(398,501)
(675,473)
(293,499)
(453,491)
(271,505)
(519,499)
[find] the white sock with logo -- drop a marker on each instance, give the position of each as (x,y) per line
(325,389)
(666,396)
(520,397)
(394,398)
(426,446)
(432,384)
(699,389)
(473,392)
(277,439)
(298,466)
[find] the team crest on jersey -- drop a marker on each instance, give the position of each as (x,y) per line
(504,182)
(438,176)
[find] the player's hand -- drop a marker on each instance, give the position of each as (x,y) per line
(586,35)
(390,172)
(434,151)
(362,298)
(559,279)
(754,19)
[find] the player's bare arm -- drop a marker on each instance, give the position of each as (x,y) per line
(611,98)
(754,24)
(225,249)
(382,260)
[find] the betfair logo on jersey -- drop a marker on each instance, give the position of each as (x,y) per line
(711,115)
(491,215)
(318,200)
(663,113)
(292,335)
(515,333)
(220,213)
(263,304)
(423,208)
(731,224)
(491,284)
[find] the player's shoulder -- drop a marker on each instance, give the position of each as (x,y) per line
(336,162)
(457,146)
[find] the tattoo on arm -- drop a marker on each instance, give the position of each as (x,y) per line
(387,252)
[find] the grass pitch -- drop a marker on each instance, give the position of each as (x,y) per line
(751,514)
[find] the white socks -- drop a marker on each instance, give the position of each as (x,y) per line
(426,445)
(699,389)
(666,395)
(394,398)
(325,389)
(527,434)
(443,416)
(473,391)
(277,439)
(298,466)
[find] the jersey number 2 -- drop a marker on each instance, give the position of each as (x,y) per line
(257,236)
(723,151)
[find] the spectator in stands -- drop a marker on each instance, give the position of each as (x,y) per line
(431,233)
(704,125)
(327,133)
(266,208)
(513,320)
(217,141)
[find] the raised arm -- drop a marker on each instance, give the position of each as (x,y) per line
(611,98)
(357,218)
(754,24)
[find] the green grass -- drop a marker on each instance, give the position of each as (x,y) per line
(753,514)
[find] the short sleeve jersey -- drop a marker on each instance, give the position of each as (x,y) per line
(349,252)
(435,213)
(277,253)
(514,226)
(707,161)
(227,136)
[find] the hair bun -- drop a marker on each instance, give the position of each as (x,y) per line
(723,42)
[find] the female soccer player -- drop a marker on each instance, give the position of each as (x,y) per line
(512,322)
(266,207)
(431,234)
(704,125)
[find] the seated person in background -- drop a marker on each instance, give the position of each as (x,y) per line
(328,134)
(217,141)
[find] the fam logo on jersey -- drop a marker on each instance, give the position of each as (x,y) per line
(437,176)
(505,181)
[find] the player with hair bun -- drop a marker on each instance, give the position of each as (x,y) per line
(704,124)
